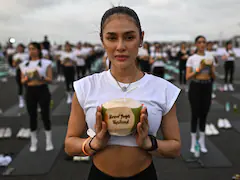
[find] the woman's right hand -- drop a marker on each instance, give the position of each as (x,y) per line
(102,136)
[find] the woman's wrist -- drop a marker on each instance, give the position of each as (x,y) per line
(147,143)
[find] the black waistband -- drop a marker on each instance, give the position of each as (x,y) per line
(38,86)
(202,81)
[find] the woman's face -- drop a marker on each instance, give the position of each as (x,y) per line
(121,40)
(33,51)
(201,44)
(229,46)
(20,49)
(67,47)
(183,46)
(209,46)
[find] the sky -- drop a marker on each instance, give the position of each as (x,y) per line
(79,20)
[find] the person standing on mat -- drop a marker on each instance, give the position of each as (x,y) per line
(158,58)
(68,60)
(18,58)
(36,74)
(229,57)
(144,58)
(121,35)
(182,56)
(201,71)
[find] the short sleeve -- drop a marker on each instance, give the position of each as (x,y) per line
(189,62)
(77,85)
(172,93)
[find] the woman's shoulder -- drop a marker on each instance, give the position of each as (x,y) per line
(46,62)
(157,81)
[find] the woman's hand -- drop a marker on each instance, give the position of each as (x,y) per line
(142,138)
(102,136)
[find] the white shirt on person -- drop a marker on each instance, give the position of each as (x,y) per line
(21,56)
(79,60)
(143,52)
(231,56)
(71,55)
(158,59)
(34,65)
(194,61)
(94,90)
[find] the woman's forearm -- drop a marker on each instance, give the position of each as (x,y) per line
(167,148)
(73,146)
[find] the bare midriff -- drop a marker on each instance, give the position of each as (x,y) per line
(35,83)
(122,161)
(203,77)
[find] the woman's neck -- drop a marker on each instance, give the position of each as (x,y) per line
(35,58)
(127,75)
(201,53)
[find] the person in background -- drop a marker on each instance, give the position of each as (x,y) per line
(144,58)
(19,58)
(158,60)
(80,61)
(229,57)
(200,72)
(68,60)
(36,74)
(182,56)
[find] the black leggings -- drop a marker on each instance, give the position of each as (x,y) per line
(229,69)
(182,73)
(59,68)
(69,73)
(159,71)
(147,174)
(200,101)
(82,70)
(18,80)
(38,95)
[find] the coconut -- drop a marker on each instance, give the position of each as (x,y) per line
(32,74)
(121,116)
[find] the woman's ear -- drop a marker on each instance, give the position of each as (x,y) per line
(141,40)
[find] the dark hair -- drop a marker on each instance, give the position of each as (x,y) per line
(228,42)
(21,45)
(198,37)
(38,47)
(120,10)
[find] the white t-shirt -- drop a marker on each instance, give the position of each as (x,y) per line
(34,65)
(142,52)
(21,56)
(230,54)
(10,51)
(214,54)
(45,53)
(94,90)
(71,55)
(194,61)
(158,59)
(80,61)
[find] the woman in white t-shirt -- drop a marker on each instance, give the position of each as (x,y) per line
(144,58)
(106,62)
(80,61)
(18,58)
(201,71)
(68,60)
(121,36)
(36,74)
(229,57)
(159,59)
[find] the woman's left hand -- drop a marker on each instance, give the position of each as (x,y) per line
(142,138)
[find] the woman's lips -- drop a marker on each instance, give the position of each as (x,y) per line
(121,57)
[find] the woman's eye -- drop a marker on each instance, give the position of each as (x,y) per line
(129,37)
(111,38)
